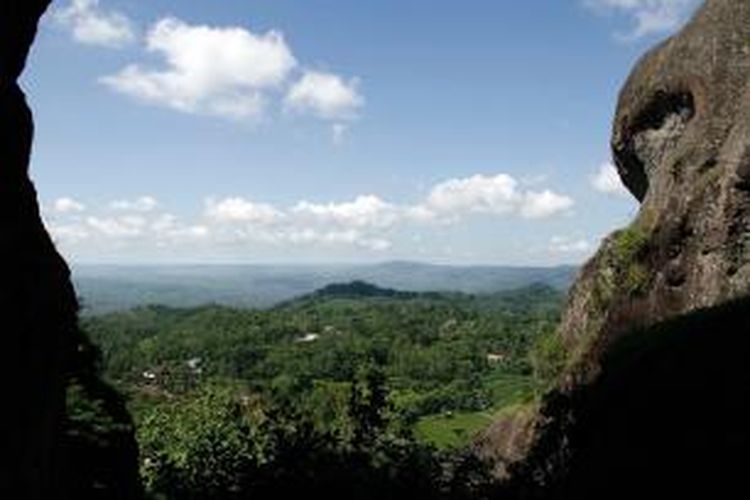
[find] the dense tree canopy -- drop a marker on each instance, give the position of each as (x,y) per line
(351,386)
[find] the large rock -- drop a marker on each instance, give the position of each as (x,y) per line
(37,303)
(681,142)
(49,450)
(655,333)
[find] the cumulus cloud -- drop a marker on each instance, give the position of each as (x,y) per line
(168,226)
(238,209)
(68,233)
(208,70)
(539,205)
(364,211)
(479,194)
(232,73)
(92,25)
(132,226)
(67,205)
(351,224)
(495,195)
(324,95)
(365,222)
(118,227)
(606,180)
(649,16)
(142,204)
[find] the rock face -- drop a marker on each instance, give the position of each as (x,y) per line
(681,142)
(660,313)
(37,303)
(43,351)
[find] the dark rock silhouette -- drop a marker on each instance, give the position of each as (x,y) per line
(667,417)
(44,352)
(620,418)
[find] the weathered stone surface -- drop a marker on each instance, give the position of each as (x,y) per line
(681,142)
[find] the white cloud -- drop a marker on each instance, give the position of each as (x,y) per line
(353,224)
(118,227)
(241,210)
(606,180)
(366,222)
(364,211)
(208,70)
(539,205)
(120,231)
(67,205)
(649,16)
(168,226)
(90,24)
(422,214)
(69,234)
(325,95)
(497,195)
(233,73)
(142,204)
(190,232)
(479,194)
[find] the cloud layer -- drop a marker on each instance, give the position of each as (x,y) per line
(367,222)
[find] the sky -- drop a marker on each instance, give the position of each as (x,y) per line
(323,131)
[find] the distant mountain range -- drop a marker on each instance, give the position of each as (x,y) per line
(113,288)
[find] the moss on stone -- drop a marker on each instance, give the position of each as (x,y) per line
(636,279)
(603,289)
(628,251)
(629,244)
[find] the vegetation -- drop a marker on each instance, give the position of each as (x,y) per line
(352,387)
(629,248)
(97,449)
(549,358)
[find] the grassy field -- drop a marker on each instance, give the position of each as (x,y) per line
(452,430)
(456,429)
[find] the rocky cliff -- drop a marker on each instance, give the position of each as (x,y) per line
(42,437)
(655,331)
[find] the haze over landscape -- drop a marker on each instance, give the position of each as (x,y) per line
(114,288)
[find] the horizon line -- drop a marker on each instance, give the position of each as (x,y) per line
(74,264)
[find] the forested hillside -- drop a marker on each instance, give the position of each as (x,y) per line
(354,369)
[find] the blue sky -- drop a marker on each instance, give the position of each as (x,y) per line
(334,131)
